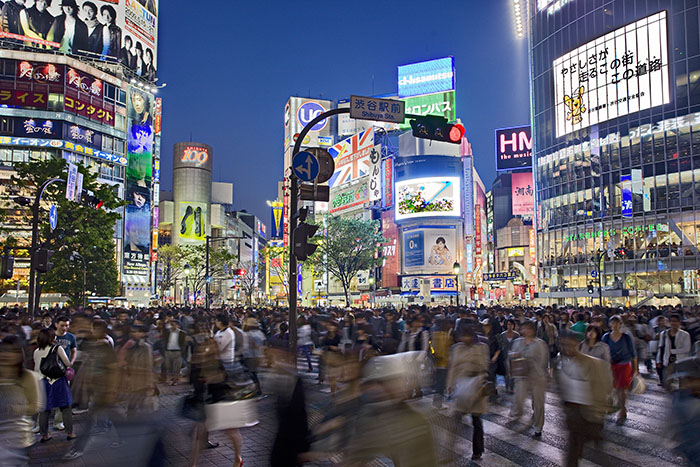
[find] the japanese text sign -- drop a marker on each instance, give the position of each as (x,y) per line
(86,109)
(373,108)
(522,194)
(20,98)
(622,72)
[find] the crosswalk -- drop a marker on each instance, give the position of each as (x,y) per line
(644,439)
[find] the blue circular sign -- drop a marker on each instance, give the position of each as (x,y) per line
(305,166)
(310,110)
(594,273)
(53,216)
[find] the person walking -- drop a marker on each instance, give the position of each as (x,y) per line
(529,359)
(467,374)
(675,345)
(623,362)
(593,346)
(505,344)
(57,391)
(174,343)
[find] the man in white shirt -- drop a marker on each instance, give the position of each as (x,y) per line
(225,339)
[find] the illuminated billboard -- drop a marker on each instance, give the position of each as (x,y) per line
(622,72)
(429,249)
(428,197)
(298,112)
(426,77)
(352,158)
(192,221)
(111,30)
(350,197)
(521,195)
(513,148)
(442,104)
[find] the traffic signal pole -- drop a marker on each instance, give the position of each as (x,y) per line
(293,208)
(31,298)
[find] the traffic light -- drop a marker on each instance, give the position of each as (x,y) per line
(8,266)
(437,128)
(590,289)
(302,248)
(42,259)
(89,199)
(240,272)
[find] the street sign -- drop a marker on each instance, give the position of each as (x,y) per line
(79,188)
(305,166)
(373,108)
(53,216)
(594,273)
(71,181)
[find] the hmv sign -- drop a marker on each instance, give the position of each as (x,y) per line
(513,148)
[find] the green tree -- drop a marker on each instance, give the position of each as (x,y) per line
(348,246)
(248,281)
(278,259)
(80,228)
(170,266)
(221,263)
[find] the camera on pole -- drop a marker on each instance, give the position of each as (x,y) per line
(303,232)
(436,128)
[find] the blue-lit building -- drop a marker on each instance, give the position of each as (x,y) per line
(615,97)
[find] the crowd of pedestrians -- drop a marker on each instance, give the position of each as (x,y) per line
(110,363)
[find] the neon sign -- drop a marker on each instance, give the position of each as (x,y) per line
(195,155)
(629,230)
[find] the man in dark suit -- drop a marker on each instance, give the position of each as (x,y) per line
(69,30)
(9,16)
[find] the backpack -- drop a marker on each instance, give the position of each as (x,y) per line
(52,366)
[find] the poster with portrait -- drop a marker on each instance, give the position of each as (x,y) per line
(192,223)
(110,30)
(431,249)
(139,173)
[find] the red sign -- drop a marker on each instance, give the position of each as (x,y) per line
(157,121)
(19,98)
(89,110)
(41,73)
(388,167)
(477,235)
(391,250)
(523,204)
(285,220)
(83,82)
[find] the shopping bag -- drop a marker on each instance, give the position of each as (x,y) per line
(231,414)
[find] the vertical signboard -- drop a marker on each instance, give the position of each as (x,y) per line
(522,194)
(626,185)
(468,180)
(477,234)
(388,182)
(139,172)
(375,175)
(71,181)
(390,251)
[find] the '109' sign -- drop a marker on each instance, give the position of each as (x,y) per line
(195,155)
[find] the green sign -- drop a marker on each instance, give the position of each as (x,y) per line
(348,198)
(630,230)
(441,103)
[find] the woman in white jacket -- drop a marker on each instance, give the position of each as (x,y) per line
(674,344)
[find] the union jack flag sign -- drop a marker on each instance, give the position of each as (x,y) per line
(352,157)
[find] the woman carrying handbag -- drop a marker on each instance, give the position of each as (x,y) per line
(466,380)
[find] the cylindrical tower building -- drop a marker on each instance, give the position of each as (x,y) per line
(192,167)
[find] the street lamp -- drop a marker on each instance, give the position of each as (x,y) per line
(456,268)
(77,256)
(187,284)
(371,289)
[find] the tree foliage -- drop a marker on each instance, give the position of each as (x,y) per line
(80,228)
(248,281)
(277,257)
(348,246)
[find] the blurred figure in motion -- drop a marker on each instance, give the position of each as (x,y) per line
(440,341)
(388,425)
(292,438)
(505,343)
(21,398)
(623,362)
(58,395)
(585,383)
(467,376)
(529,360)
(685,412)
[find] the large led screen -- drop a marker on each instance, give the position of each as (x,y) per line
(426,77)
(428,197)
(622,72)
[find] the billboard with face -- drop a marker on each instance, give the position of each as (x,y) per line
(111,30)
(139,173)
(429,249)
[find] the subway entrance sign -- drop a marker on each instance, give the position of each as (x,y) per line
(374,108)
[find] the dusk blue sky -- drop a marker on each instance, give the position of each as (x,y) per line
(231,65)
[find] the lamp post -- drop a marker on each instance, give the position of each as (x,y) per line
(371,290)
(77,256)
(187,284)
(456,268)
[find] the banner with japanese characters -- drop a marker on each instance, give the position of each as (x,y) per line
(622,72)
(522,194)
(375,174)
(139,174)
(441,104)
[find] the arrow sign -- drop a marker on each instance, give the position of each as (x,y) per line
(53,216)
(305,166)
